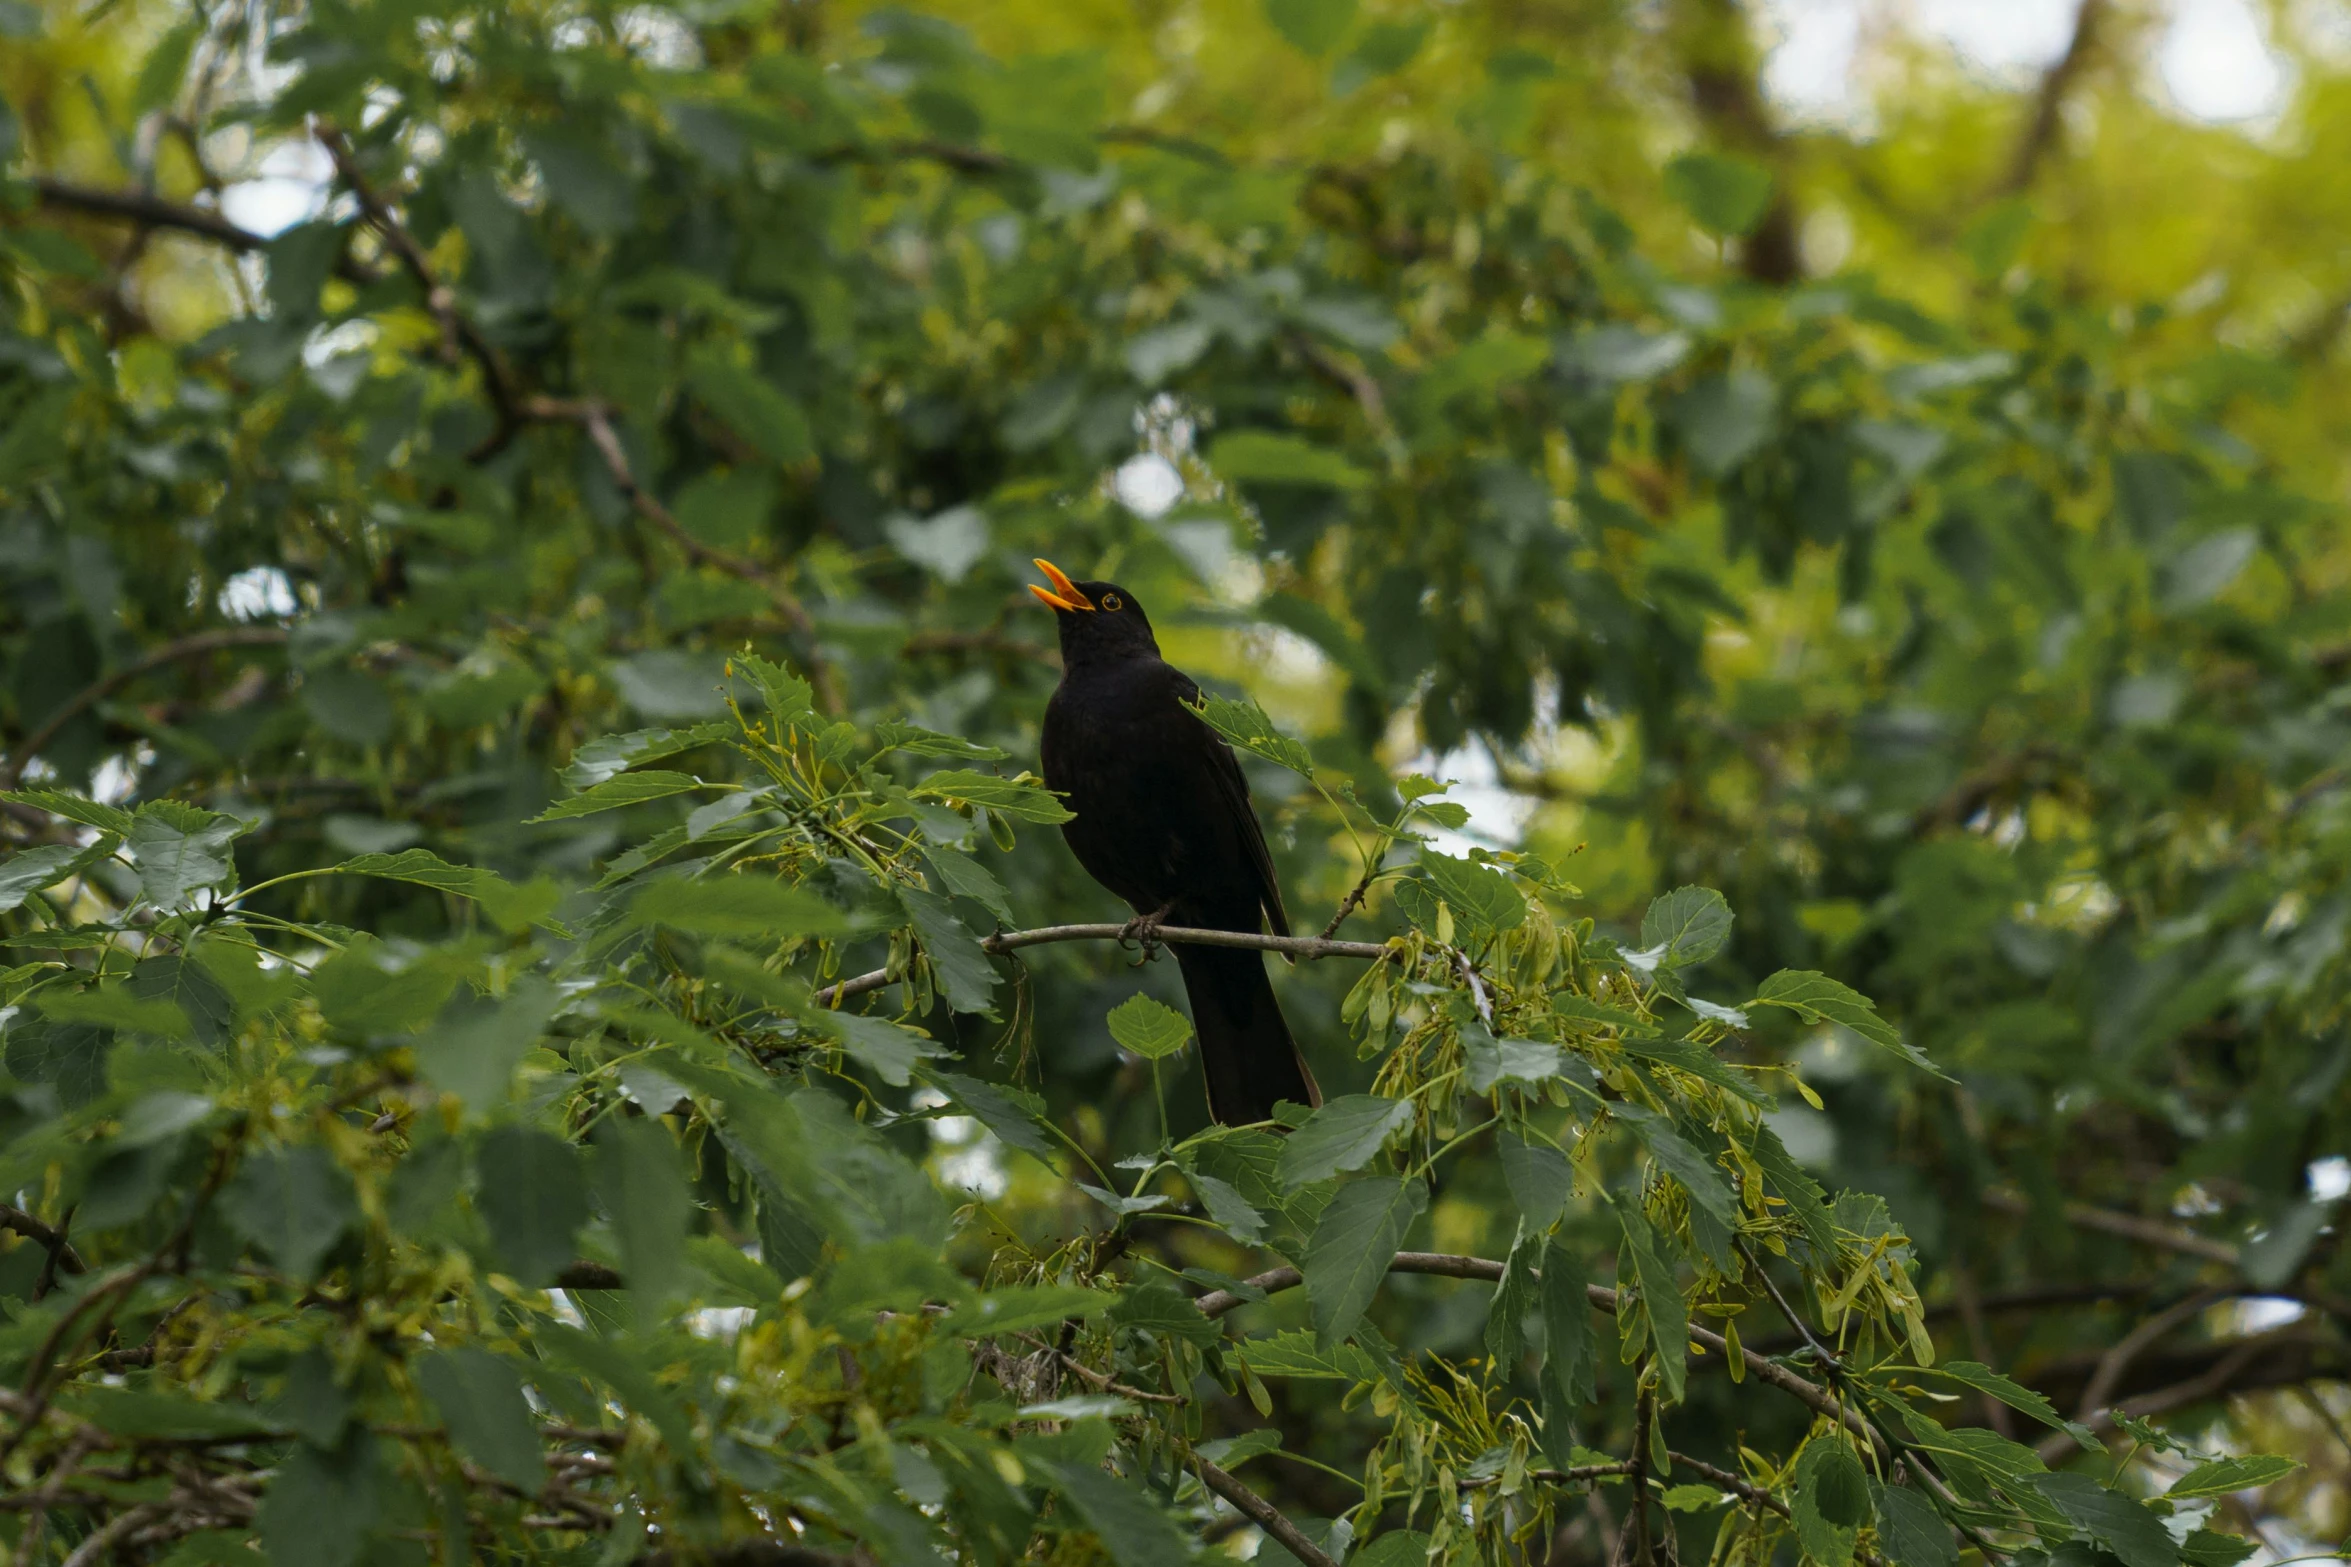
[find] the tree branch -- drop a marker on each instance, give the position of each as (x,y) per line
(2130,1226)
(62,1255)
(146,210)
(2040,132)
(99,690)
(1178,935)
(1262,1513)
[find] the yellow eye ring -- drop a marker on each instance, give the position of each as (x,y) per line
(1113,601)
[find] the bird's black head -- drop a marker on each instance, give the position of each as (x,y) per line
(1099,621)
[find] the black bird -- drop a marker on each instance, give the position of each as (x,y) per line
(1163,820)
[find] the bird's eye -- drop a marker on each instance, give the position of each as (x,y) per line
(1113,601)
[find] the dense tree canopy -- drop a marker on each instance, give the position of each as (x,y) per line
(545,1014)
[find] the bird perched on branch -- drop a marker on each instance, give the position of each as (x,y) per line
(1163,820)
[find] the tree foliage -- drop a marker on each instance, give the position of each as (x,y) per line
(544,1016)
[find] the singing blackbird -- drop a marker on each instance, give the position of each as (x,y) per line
(1163,820)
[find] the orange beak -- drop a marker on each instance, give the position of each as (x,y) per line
(1065,594)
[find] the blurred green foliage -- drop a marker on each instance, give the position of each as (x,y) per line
(481,662)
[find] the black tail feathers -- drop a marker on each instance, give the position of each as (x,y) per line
(1244,1042)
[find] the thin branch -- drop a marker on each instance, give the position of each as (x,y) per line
(1178,935)
(2219,1378)
(62,1255)
(144,209)
(1453,1266)
(456,329)
(99,690)
(1738,1486)
(1357,383)
(1262,1513)
(2131,1345)
(2130,1226)
(2040,132)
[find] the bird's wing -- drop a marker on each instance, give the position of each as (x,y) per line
(1233,792)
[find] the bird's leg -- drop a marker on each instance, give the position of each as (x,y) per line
(1144,928)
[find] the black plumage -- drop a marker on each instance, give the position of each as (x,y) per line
(1163,820)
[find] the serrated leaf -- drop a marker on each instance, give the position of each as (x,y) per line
(1911,1532)
(1820,999)
(1162,1309)
(743,904)
(1353,1243)
(1539,1177)
(73,807)
(1488,1061)
(614,793)
(1020,797)
(1660,1295)
(1686,926)
(2225,1476)
(1347,1133)
(918,741)
(891,1051)
(480,1398)
(966,877)
(1130,1526)
(533,1198)
(2119,1522)
(967,980)
(1270,457)
(1149,1029)
(1569,1352)
(1014,1115)
(34,870)
(425,869)
(181,852)
(2016,1396)
(608,756)
(321,1508)
(1019,1307)
(1225,1204)
(293,1203)
(1244,724)
(1687,1055)
(1295,1353)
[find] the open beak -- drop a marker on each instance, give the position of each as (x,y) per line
(1064,593)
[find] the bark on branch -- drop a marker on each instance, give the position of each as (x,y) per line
(2040,132)
(1176,935)
(99,690)
(1262,1513)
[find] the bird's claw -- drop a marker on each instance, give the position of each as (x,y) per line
(1144,929)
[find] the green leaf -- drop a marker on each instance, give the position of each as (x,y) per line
(476,1044)
(293,1203)
(1820,999)
(1478,895)
(1539,1177)
(1725,418)
(115,1006)
(1570,1356)
(73,807)
(1687,1055)
(1513,1321)
(188,986)
(608,756)
(533,1200)
(2225,1476)
(918,741)
(1698,1175)
(1018,1308)
(966,877)
(180,851)
(2119,1522)
(1353,1243)
(1014,1115)
(2016,1396)
(1489,1061)
(1660,1295)
(1020,797)
(617,1367)
(967,980)
(133,1412)
(1132,1529)
(370,990)
(747,903)
(1727,195)
(1148,1029)
(1347,1133)
(613,793)
(2207,1548)
(1911,1532)
(770,423)
(891,1051)
(481,1400)
(641,1183)
(320,1510)
(1244,724)
(1163,1310)
(1685,927)
(33,870)
(1692,1498)
(425,869)
(1396,1548)
(1230,1452)
(1225,1204)
(1265,457)
(1313,26)
(1830,1500)
(1296,1353)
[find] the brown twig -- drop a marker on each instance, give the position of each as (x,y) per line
(2130,1226)
(2040,132)
(62,1256)
(1179,935)
(1262,1513)
(99,690)
(1357,383)
(2131,1345)
(457,330)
